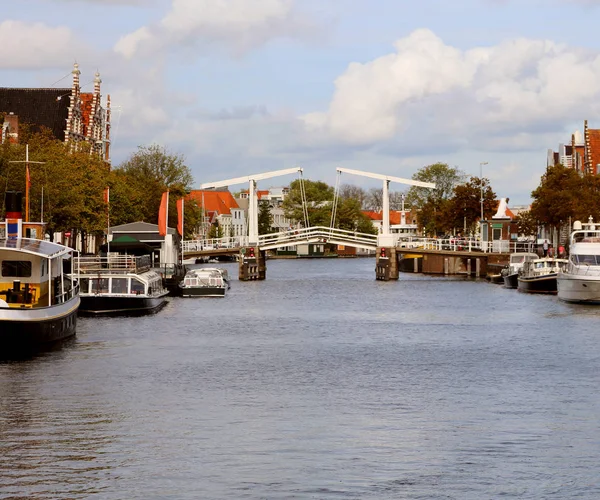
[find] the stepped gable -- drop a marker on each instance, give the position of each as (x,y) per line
(38,107)
(592,149)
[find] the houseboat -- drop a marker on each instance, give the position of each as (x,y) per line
(39,296)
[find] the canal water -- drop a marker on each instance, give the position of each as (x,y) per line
(318,383)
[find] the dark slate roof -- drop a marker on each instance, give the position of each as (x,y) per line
(143,231)
(41,107)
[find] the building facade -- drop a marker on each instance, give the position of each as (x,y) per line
(73,116)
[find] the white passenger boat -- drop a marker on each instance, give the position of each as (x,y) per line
(205,282)
(119,285)
(580,281)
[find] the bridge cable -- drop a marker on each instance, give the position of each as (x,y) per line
(336,198)
(304,202)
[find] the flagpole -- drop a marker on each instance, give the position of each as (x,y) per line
(108,221)
(26,182)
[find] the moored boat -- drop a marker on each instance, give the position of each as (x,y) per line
(205,282)
(515,264)
(119,285)
(579,282)
(539,275)
(38,299)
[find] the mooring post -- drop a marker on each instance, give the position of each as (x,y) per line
(252,265)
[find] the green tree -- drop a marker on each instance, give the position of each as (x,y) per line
(558,197)
(265,218)
(350,217)
(465,205)
(431,203)
(319,197)
(444,177)
(527,224)
(215,231)
(151,171)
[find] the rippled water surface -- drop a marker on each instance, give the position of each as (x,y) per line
(318,383)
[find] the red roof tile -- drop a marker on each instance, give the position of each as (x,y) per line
(214,201)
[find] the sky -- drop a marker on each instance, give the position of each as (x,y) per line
(242,87)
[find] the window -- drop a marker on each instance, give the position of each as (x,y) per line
(16,268)
(119,285)
(99,285)
(137,286)
(84,285)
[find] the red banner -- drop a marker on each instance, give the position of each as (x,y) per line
(107,195)
(162,214)
(180,216)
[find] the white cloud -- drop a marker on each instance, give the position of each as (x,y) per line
(237,24)
(428,88)
(37,46)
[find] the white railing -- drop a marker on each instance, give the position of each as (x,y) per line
(318,234)
(113,263)
(322,234)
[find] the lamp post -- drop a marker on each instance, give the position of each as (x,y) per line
(481,197)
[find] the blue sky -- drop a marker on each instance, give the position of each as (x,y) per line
(246,86)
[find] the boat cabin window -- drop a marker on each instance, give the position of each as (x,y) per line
(137,286)
(586,259)
(99,285)
(16,269)
(119,285)
(84,285)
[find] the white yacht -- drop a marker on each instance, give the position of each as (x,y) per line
(205,282)
(580,281)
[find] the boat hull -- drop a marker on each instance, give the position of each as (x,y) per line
(101,305)
(579,289)
(511,280)
(204,291)
(27,331)
(538,284)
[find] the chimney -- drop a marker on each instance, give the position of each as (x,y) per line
(13,202)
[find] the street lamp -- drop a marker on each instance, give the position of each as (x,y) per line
(481,196)
(481,185)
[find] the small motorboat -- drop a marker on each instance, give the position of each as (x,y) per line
(205,282)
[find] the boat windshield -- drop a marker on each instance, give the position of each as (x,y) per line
(590,260)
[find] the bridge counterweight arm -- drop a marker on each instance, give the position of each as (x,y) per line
(248,178)
(400,180)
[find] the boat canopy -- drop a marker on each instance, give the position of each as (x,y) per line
(41,248)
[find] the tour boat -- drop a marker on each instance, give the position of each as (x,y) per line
(539,275)
(579,282)
(39,297)
(515,264)
(205,282)
(119,285)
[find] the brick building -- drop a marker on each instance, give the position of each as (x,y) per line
(582,154)
(72,116)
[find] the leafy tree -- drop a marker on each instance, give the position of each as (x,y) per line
(465,205)
(527,224)
(319,197)
(350,217)
(215,231)
(151,171)
(265,218)
(444,177)
(558,196)
(432,203)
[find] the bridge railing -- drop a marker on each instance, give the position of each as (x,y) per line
(468,245)
(214,243)
(297,236)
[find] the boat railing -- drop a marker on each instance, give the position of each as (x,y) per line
(116,264)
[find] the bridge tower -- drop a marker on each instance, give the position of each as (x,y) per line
(252,263)
(386,267)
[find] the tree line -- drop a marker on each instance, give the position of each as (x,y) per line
(72,184)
